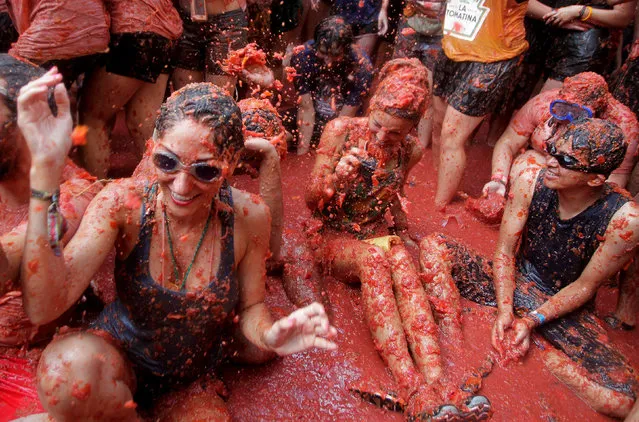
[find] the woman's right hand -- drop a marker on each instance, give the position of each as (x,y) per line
(48,137)
(504,321)
(348,165)
(494,187)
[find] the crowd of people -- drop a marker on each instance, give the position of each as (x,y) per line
(209,89)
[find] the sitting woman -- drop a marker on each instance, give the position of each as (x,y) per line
(77,189)
(548,115)
(191,255)
(360,170)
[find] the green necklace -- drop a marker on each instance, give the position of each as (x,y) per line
(176,274)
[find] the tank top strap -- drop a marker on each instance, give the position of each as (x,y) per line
(146,222)
(227,218)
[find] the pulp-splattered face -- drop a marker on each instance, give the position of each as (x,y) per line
(189,168)
(566,167)
(330,54)
(388,129)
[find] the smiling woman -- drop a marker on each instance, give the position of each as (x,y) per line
(191,255)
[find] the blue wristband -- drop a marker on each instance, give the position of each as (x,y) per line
(539,317)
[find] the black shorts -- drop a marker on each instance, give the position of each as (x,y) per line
(560,53)
(285,15)
(411,44)
(571,52)
(205,45)
(140,55)
(580,335)
(474,88)
(71,69)
(8,33)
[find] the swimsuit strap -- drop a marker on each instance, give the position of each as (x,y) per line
(227,258)
(146,222)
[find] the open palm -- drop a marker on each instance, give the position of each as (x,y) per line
(48,136)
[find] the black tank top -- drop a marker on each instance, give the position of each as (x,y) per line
(168,333)
(370,194)
(554,252)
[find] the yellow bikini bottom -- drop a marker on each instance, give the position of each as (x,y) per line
(385,242)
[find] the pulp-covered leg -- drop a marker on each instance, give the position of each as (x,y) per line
(414,308)
(436,267)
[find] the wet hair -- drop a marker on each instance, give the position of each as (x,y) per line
(333,33)
(15,73)
(260,118)
(601,141)
(588,89)
(403,89)
(208,105)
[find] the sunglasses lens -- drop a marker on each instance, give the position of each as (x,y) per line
(164,162)
(207,173)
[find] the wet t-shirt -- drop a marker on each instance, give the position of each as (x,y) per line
(484,30)
(59,29)
(536,113)
(344,84)
(157,16)
(357,12)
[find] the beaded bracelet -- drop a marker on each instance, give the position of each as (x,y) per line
(56,224)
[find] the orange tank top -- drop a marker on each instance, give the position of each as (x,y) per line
(484,30)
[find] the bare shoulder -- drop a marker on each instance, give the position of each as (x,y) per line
(626,220)
(250,209)
(121,199)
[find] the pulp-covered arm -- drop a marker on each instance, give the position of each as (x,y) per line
(270,188)
(515,137)
(510,231)
(619,16)
(323,181)
(305,328)
(52,283)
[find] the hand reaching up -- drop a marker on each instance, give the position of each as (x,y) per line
(48,137)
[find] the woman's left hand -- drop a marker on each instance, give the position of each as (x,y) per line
(382,23)
(305,328)
(563,15)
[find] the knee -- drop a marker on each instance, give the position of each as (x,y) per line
(373,263)
(69,375)
(431,243)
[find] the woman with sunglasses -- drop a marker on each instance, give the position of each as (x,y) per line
(582,95)
(564,233)
(190,267)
